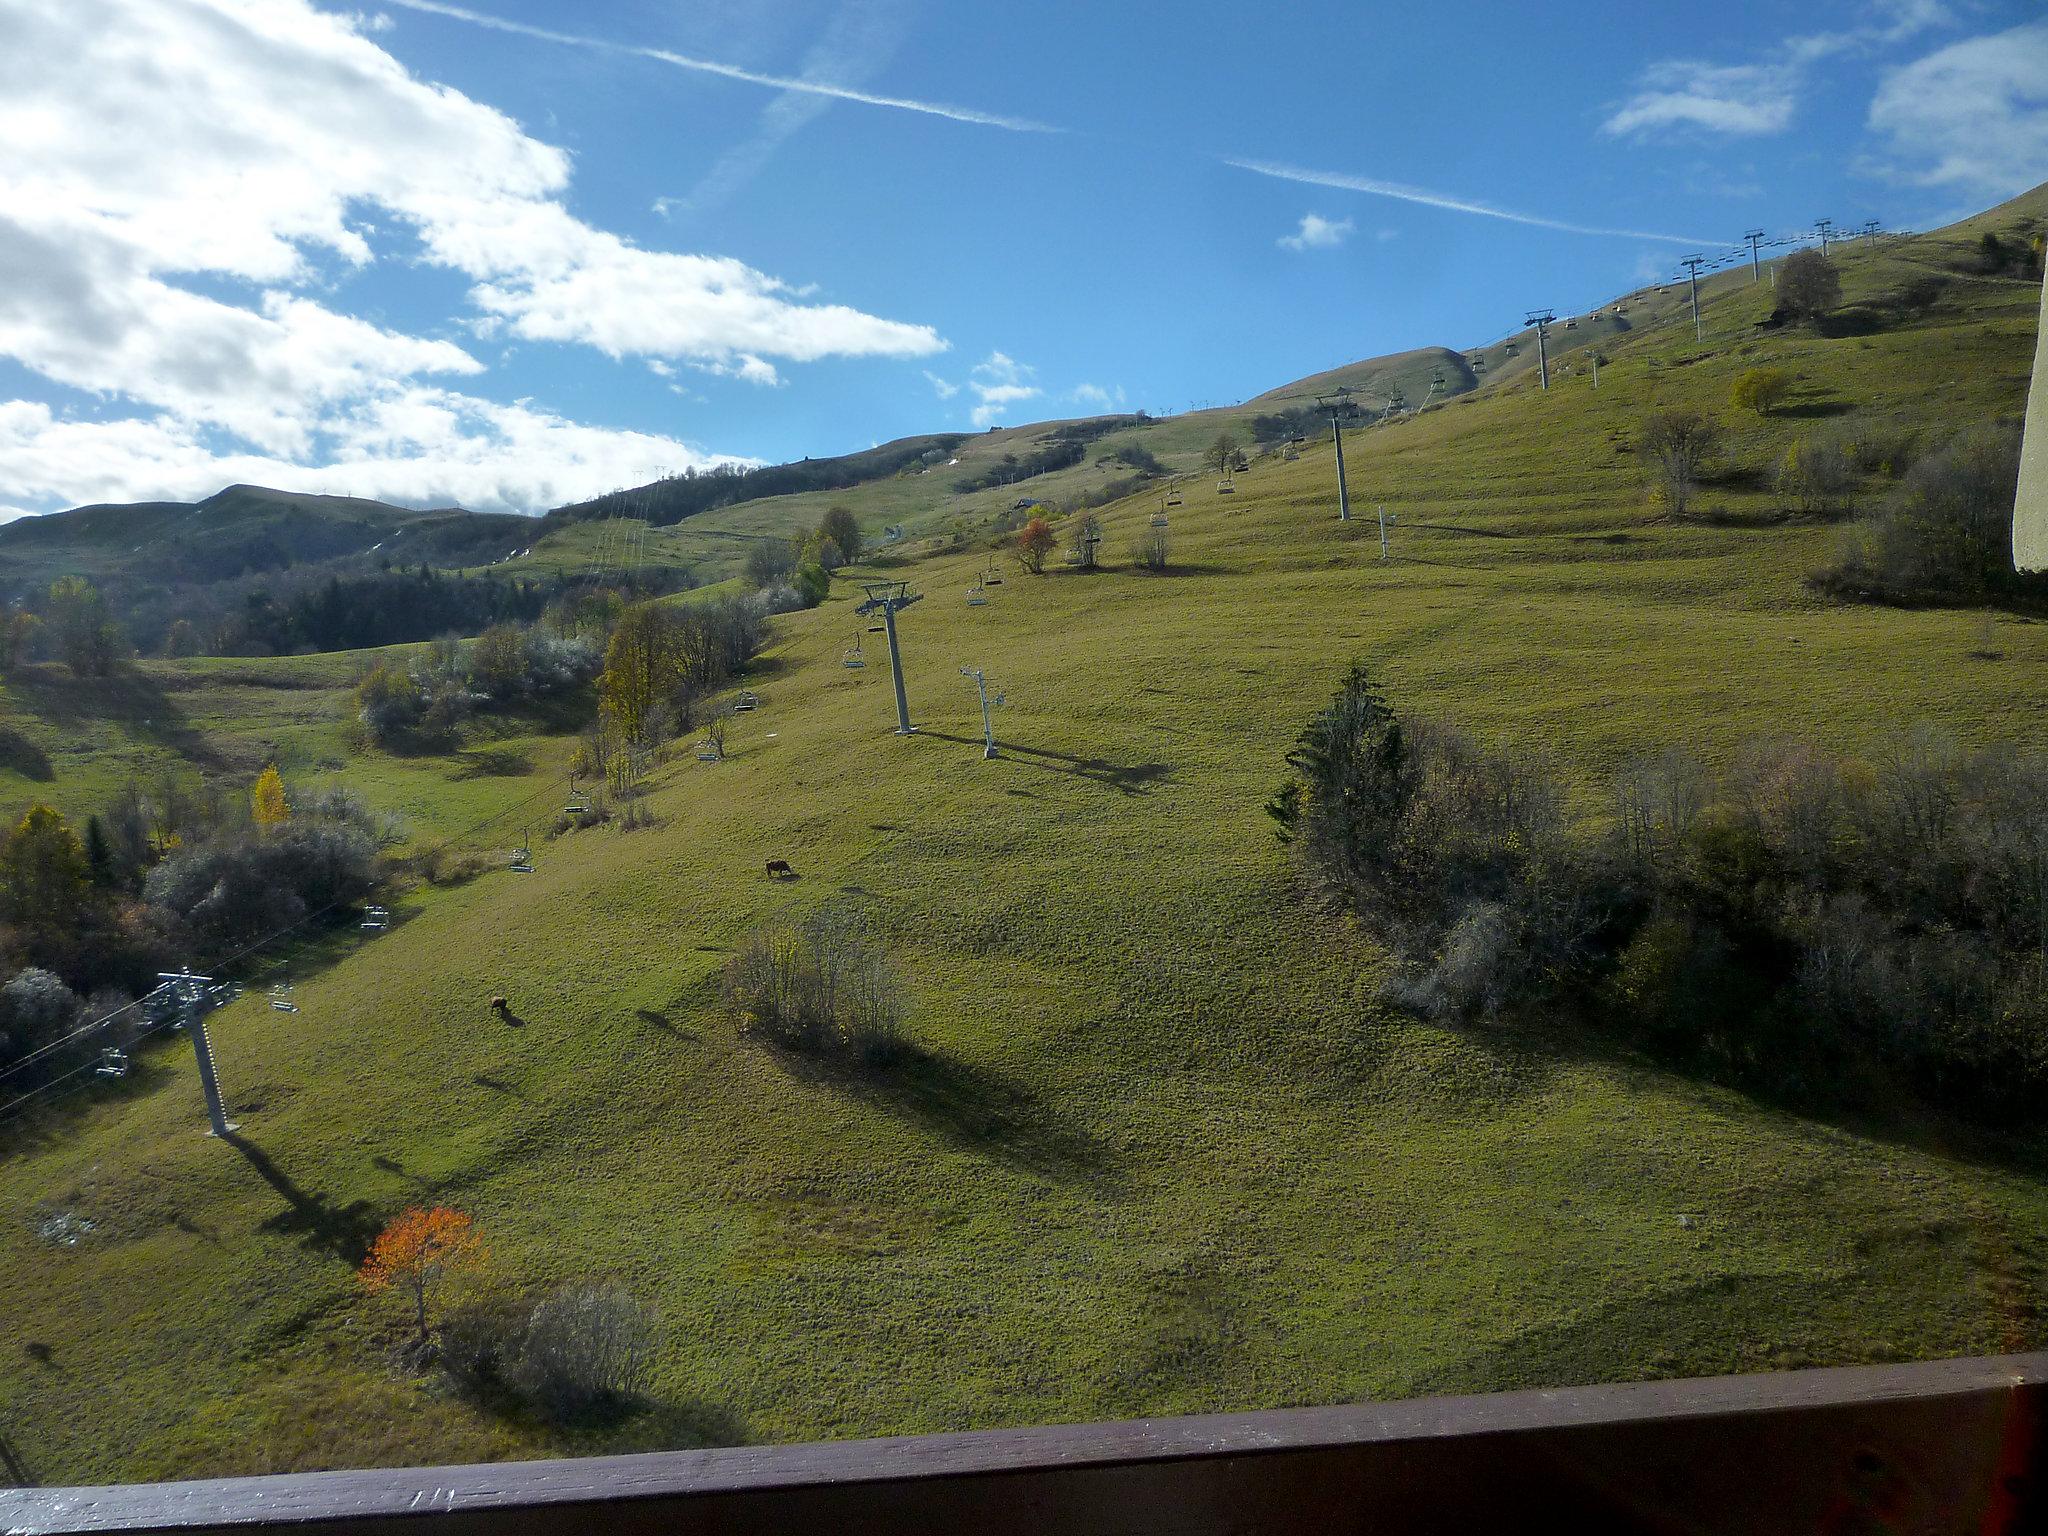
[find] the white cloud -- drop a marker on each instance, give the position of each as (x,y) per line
(1095,394)
(1760,98)
(998,382)
(262,144)
(1973,116)
(945,389)
(420,447)
(1407,194)
(1735,99)
(1317,233)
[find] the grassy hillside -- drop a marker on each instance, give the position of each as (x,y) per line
(1165,1150)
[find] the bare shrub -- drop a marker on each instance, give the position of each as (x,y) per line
(480,1337)
(822,986)
(1818,475)
(586,1348)
(1151,550)
(1678,445)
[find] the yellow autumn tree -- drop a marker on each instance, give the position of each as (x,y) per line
(267,804)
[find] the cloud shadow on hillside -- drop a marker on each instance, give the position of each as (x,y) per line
(130,697)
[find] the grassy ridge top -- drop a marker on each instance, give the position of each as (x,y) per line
(1166,1150)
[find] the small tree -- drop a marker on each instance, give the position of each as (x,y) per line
(1818,475)
(417,1254)
(18,639)
(1761,389)
(43,870)
(497,661)
(1086,534)
(181,639)
(267,804)
(1151,550)
(839,526)
(1035,541)
(1222,454)
(1678,444)
(715,726)
(1809,287)
(85,634)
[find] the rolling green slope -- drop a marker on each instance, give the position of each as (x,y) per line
(1166,1149)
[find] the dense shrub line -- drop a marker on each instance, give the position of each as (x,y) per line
(1945,534)
(163,878)
(1806,921)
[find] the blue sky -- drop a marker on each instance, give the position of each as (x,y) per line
(508,253)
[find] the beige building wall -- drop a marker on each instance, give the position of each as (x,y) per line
(2030,512)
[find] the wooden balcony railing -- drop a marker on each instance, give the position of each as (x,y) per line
(1946,1446)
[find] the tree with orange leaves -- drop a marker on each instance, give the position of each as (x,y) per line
(1035,540)
(416,1255)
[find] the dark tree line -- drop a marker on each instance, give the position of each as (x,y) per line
(347,613)
(675,497)
(1058,453)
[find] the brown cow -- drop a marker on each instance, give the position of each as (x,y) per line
(500,1005)
(778,869)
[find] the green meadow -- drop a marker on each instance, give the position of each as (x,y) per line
(1163,1149)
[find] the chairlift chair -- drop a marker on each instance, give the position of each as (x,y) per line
(1173,496)
(522,866)
(281,998)
(855,657)
(375,919)
(1158,519)
(113,1063)
(976,598)
(1225,487)
(706,752)
(748,700)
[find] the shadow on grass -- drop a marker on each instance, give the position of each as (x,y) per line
(1132,779)
(20,755)
(343,1232)
(15,1468)
(490,763)
(1815,409)
(666,1025)
(971,1109)
(132,697)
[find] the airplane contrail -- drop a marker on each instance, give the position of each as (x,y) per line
(1429,199)
(731,71)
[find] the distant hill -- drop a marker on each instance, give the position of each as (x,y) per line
(675,497)
(242,530)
